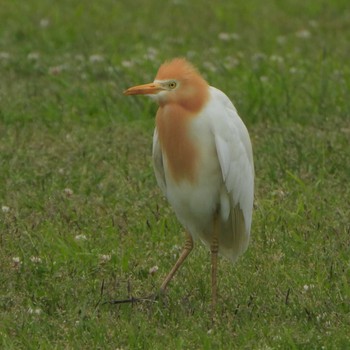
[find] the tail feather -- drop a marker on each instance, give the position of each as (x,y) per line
(234,239)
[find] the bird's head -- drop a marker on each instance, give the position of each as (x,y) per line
(177,81)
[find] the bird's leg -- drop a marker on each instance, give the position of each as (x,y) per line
(214,248)
(186,250)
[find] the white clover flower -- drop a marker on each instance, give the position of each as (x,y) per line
(308,287)
(105,257)
(96,58)
(153,270)
(281,39)
(228,36)
(276,58)
(259,56)
(313,24)
(151,54)
(4,55)
(56,70)
(35,259)
(80,238)
(235,36)
(321,317)
(224,36)
(175,248)
(68,192)
(16,259)
(44,22)
(35,311)
(79,57)
(110,69)
(210,66)
(231,62)
(33,56)
(303,34)
(5,209)
(127,64)
(16,262)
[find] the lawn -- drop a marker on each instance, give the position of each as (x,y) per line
(82,221)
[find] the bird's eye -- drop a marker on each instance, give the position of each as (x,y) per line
(172,85)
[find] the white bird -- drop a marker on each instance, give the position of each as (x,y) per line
(203,162)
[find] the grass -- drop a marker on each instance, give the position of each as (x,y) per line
(82,221)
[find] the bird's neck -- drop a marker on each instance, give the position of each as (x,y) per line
(173,124)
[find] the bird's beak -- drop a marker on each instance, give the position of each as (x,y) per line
(145,89)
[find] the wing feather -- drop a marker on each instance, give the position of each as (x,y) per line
(158,163)
(235,155)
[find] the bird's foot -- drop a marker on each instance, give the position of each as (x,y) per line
(132,300)
(149,298)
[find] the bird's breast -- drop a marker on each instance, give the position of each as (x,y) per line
(180,150)
(191,168)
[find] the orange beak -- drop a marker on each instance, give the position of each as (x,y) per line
(145,89)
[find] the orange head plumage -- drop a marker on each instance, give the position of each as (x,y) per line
(177,81)
(181,93)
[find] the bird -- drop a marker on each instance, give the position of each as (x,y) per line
(203,163)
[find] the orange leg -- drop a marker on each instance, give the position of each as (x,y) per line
(214,249)
(186,250)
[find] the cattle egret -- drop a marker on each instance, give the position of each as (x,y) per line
(203,162)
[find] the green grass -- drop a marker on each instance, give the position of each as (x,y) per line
(82,220)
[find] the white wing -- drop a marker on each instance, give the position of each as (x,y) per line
(235,155)
(158,163)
